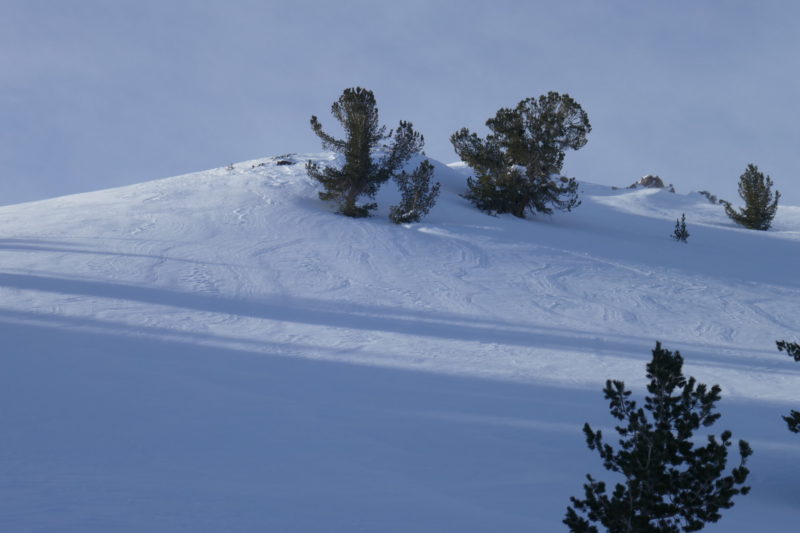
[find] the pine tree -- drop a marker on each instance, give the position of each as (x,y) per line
(792,349)
(364,169)
(517,167)
(668,484)
(760,205)
(681,234)
(418,196)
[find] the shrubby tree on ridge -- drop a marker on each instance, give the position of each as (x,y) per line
(792,349)
(760,205)
(668,483)
(517,166)
(418,195)
(371,154)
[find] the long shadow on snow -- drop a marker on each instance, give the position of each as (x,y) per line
(366,317)
(113,433)
(26,245)
(165,435)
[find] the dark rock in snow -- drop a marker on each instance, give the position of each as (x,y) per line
(650,182)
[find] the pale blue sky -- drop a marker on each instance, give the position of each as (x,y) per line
(101,93)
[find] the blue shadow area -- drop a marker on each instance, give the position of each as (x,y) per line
(105,431)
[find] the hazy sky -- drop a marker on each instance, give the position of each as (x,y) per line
(101,93)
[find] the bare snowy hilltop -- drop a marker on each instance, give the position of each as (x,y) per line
(220,351)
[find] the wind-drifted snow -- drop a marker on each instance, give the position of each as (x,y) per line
(221,352)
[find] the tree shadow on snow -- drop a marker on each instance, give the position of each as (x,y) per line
(107,427)
(327,313)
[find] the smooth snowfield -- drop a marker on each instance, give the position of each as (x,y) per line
(221,352)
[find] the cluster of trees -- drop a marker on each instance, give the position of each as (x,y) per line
(667,482)
(517,167)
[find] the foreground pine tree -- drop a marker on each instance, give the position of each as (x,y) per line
(680,233)
(669,484)
(517,167)
(418,195)
(364,169)
(760,205)
(793,350)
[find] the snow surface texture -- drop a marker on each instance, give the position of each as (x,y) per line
(221,352)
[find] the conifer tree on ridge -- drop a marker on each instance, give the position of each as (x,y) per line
(760,205)
(368,163)
(517,167)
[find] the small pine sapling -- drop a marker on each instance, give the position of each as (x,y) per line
(418,195)
(669,484)
(793,350)
(681,234)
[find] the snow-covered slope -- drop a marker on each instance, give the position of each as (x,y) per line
(221,352)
